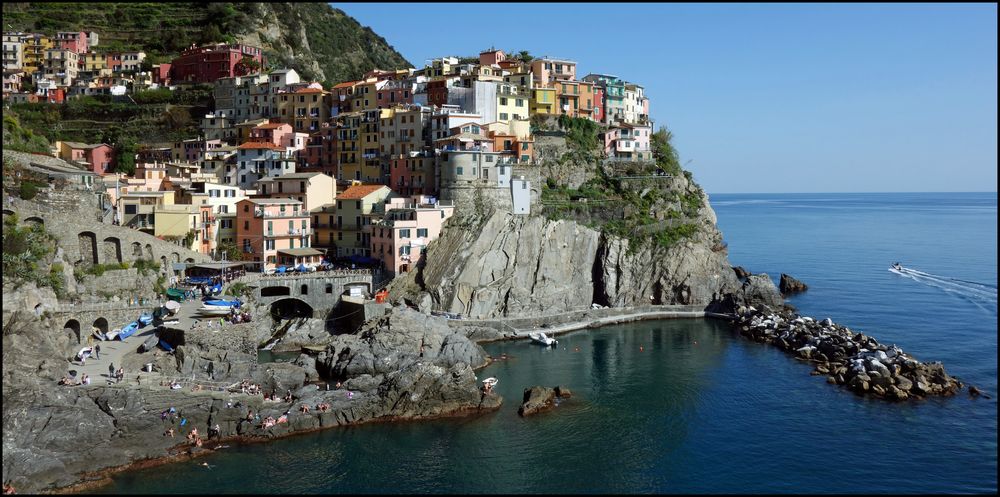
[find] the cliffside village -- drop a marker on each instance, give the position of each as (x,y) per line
(296,175)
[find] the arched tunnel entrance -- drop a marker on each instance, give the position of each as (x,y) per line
(291,308)
(72,327)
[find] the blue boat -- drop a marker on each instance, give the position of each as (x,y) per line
(166,346)
(145,319)
(128,330)
(217,289)
(226,303)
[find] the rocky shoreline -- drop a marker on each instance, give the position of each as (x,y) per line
(852,360)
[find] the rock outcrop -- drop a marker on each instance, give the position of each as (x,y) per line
(538,398)
(789,285)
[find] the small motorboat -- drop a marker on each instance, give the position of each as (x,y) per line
(224,303)
(172,306)
(111,335)
(128,330)
(896,268)
(166,346)
(490,382)
(176,294)
(84,353)
(541,338)
(145,319)
(150,343)
(215,310)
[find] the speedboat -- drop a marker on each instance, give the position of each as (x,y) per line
(540,338)
(896,268)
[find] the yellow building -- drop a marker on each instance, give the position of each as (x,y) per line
(543,101)
(175,221)
(348,151)
(95,63)
(305,109)
(512,102)
(136,209)
(353,205)
(368,142)
(34,48)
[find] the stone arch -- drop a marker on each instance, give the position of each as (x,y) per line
(73,326)
(163,262)
(112,249)
(189,260)
(175,257)
(101,324)
(136,250)
(329,288)
(304,289)
(88,247)
(275,291)
(291,308)
(8,212)
(149,252)
(35,220)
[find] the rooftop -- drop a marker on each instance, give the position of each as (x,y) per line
(358,192)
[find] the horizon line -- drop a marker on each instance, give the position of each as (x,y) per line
(828,193)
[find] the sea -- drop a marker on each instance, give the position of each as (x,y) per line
(688,406)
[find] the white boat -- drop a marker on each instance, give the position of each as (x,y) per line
(172,307)
(215,310)
(540,337)
(490,382)
(896,268)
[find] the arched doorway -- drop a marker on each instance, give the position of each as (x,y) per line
(101,324)
(112,250)
(304,290)
(73,328)
(88,247)
(291,308)
(136,250)
(35,220)
(149,252)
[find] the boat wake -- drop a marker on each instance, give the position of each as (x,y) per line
(979,294)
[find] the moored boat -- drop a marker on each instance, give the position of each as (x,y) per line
(128,330)
(540,338)
(150,343)
(215,310)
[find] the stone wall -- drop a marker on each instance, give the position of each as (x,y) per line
(322,290)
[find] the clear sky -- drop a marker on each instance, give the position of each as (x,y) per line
(765,98)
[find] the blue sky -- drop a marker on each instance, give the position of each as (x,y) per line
(766,98)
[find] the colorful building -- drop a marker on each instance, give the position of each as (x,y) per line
(354,205)
(547,70)
(209,63)
(399,239)
(98,158)
(312,189)
(269,231)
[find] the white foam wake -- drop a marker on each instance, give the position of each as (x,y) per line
(977,293)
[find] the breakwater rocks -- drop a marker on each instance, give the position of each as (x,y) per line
(850,359)
(538,398)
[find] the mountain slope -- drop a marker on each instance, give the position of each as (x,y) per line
(320,42)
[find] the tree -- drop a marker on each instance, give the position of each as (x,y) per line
(231,251)
(664,152)
(125,151)
(524,56)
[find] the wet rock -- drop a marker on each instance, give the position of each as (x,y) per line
(540,398)
(789,284)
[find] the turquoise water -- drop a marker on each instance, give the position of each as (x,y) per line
(685,406)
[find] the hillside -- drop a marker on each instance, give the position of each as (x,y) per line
(320,42)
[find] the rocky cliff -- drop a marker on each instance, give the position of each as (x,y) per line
(500,264)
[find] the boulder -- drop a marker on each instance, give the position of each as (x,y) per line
(789,284)
(540,398)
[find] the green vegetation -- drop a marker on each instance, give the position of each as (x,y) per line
(144,266)
(99,269)
(161,284)
(28,190)
(26,250)
(232,252)
(20,138)
(238,289)
(664,152)
(581,134)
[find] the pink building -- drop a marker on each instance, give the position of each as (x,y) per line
(280,134)
(275,232)
(491,56)
(400,238)
(394,93)
(99,158)
(547,70)
(72,41)
(412,175)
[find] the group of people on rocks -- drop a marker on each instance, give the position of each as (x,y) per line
(249,388)
(236,316)
(67,381)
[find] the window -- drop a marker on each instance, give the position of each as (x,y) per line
(246,225)
(503,101)
(458,170)
(131,208)
(525,158)
(421,232)
(520,103)
(246,246)
(524,145)
(404,233)
(489,158)
(357,204)
(503,116)
(269,244)
(340,235)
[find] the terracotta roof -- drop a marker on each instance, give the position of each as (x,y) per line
(309,90)
(358,192)
(256,145)
(345,84)
(272,125)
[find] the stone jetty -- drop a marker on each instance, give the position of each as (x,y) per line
(854,360)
